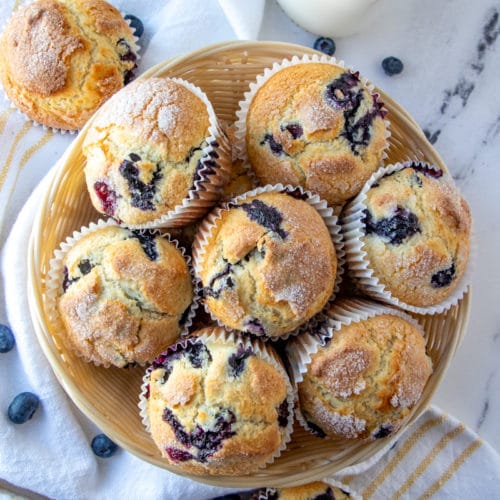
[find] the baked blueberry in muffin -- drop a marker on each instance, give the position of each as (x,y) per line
(216,403)
(124,295)
(60,60)
(267,264)
(416,237)
(316,125)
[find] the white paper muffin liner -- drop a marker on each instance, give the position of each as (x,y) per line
(245,103)
(137,49)
(357,260)
(218,334)
(55,277)
(325,211)
(300,350)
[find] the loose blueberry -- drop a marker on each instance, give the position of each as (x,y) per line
(106,196)
(392,66)
(103,447)
(265,215)
(444,277)
(7,340)
(236,361)
(383,431)
(325,44)
(396,229)
(147,239)
(23,407)
(136,24)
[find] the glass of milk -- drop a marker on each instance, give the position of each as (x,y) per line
(334,18)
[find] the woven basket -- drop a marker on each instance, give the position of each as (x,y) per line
(109,396)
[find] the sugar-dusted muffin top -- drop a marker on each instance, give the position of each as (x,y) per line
(218,406)
(123,296)
(61,59)
(365,381)
(417,234)
(143,152)
(318,126)
(268,265)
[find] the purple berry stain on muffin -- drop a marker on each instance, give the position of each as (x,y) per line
(275,147)
(396,229)
(345,93)
(295,130)
(253,325)
(178,455)
(428,171)
(327,495)
(237,360)
(141,193)
(283,413)
(383,431)
(198,354)
(125,51)
(444,277)
(147,239)
(265,215)
(106,196)
(219,282)
(315,429)
(206,441)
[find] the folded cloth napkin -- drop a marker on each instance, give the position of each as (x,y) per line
(51,454)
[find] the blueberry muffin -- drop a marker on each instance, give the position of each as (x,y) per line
(416,234)
(217,403)
(148,150)
(123,295)
(315,125)
(266,262)
(364,382)
(60,60)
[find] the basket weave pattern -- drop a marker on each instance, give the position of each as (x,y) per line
(109,396)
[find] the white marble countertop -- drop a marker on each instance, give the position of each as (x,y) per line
(450,50)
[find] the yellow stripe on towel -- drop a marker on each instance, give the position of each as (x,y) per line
(4,117)
(441,444)
(452,469)
(401,453)
(5,169)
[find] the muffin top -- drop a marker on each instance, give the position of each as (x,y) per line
(417,234)
(123,295)
(61,59)
(363,383)
(143,151)
(216,405)
(268,264)
(318,126)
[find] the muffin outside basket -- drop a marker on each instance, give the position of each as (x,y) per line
(223,71)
